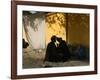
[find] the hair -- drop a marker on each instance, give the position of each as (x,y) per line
(59,39)
(53,38)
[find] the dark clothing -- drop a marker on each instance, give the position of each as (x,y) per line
(57,54)
(25,44)
(81,53)
(51,53)
(63,51)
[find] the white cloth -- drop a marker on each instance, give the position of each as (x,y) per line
(35,34)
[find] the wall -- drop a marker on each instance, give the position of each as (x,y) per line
(71,27)
(78,29)
(5,43)
(55,25)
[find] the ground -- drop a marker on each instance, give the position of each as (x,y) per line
(35,59)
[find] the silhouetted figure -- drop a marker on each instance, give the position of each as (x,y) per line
(51,51)
(80,52)
(63,50)
(25,44)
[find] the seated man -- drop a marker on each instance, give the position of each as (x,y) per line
(51,51)
(63,50)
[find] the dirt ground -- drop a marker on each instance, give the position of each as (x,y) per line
(34,59)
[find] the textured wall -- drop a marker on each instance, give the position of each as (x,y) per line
(72,27)
(78,29)
(55,25)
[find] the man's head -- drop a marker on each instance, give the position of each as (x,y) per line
(53,38)
(59,39)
